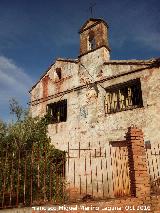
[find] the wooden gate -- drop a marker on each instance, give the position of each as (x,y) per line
(120,169)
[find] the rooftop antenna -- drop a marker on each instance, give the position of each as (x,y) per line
(91,9)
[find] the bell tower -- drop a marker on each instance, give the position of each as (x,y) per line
(93,36)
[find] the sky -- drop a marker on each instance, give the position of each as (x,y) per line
(33,33)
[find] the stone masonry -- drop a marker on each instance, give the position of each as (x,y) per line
(89,83)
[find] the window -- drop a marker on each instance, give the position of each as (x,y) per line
(123,96)
(59,74)
(147,145)
(58,111)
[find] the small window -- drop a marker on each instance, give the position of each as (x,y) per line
(124,96)
(58,111)
(59,73)
(147,145)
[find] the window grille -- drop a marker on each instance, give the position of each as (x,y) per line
(123,96)
(58,111)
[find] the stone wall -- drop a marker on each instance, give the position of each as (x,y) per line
(83,84)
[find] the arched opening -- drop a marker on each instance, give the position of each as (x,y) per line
(91,41)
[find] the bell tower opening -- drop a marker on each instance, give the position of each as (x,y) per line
(91,41)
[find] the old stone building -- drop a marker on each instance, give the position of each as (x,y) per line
(92,101)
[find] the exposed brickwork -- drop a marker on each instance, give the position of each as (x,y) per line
(139,177)
(45,86)
(155,204)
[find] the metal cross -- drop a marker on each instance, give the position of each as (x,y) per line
(91,8)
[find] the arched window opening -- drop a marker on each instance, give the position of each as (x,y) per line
(91,41)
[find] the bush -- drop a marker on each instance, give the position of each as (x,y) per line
(31,169)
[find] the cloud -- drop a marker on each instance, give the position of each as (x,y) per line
(135,22)
(152,40)
(14,83)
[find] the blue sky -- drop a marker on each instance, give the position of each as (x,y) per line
(33,33)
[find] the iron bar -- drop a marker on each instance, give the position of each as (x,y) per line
(102,178)
(86,184)
(74,169)
(68,156)
(63,175)
(56,184)
(79,149)
(25,177)
(91,176)
(50,181)
(31,178)
(44,179)
(11,181)
(38,177)
(17,196)
(103,190)
(4,180)
(80,185)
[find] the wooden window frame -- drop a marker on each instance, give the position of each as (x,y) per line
(124,94)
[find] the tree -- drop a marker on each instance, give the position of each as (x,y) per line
(29,159)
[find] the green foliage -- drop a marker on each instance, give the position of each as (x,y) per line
(28,159)
(2,130)
(25,131)
(16,109)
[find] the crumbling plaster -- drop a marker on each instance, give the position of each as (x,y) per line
(83,84)
(86,119)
